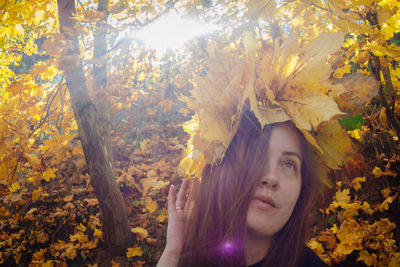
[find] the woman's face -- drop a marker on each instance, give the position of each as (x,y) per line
(276,193)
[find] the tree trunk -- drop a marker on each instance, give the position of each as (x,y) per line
(116,227)
(101,96)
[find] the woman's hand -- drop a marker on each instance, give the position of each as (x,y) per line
(180,207)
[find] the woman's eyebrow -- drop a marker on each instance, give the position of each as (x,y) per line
(291,153)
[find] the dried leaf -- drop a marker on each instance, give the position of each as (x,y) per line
(133,252)
(140,233)
(151,205)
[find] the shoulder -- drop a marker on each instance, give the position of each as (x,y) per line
(312,260)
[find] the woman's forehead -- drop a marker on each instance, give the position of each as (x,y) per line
(285,137)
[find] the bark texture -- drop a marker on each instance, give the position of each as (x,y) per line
(116,227)
(102,98)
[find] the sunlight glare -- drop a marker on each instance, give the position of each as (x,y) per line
(172,32)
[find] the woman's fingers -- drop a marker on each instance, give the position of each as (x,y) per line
(171,199)
(181,197)
(178,201)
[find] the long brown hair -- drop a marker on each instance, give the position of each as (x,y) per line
(217,228)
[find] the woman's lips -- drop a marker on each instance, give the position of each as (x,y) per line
(264,203)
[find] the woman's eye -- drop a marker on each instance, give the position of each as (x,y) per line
(289,165)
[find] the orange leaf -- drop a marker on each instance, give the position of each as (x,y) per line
(68,198)
(36,194)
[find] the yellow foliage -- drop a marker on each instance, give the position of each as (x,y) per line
(36,194)
(80,227)
(356,182)
(316,246)
(33,160)
(395,260)
(38,256)
(49,174)
(151,205)
(41,237)
(70,253)
(385,204)
(342,197)
(140,233)
(14,187)
(377,172)
(68,198)
(79,236)
(162,217)
(133,252)
(368,259)
(97,233)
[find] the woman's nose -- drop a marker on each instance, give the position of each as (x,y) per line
(270,179)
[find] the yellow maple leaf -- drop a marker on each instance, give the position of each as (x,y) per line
(140,233)
(335,143)
(356,182)
(132,252)
(151,205)
(368,259)
(161,217)
(70,253)
(36,194)
(97,233)
(33,160)
(308,113)
(147,184)
(48,263)
(350,210)
(68,198)
(385,204)
(367,208)
(141,77)
(14,187)
(386,192)
(79,236)
(80,228)
(49,174)
(39,256)
(377,172)
(160,184)
(316,246)
(395,260)
(41,237)
(343,196)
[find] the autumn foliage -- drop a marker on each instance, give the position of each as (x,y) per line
(50,213)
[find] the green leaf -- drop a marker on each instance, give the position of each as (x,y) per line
(352,123)
(137,203)
(332,220)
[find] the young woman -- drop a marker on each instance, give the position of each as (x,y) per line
(252,207)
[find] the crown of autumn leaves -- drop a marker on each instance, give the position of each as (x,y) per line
(280,82)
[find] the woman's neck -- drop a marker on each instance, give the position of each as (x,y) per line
(256,248)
